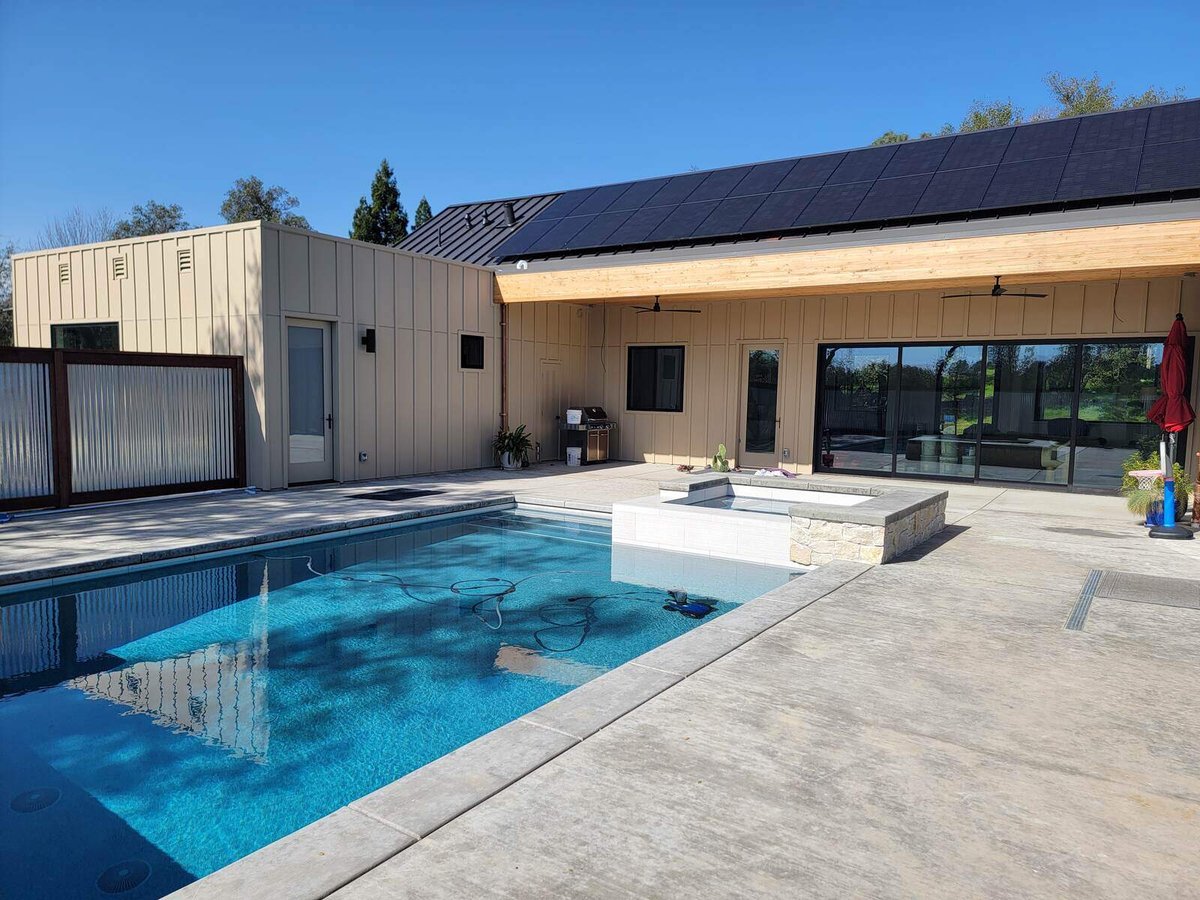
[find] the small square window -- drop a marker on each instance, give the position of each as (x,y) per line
(655,379)
(471,351)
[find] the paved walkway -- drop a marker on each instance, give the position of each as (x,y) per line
(929,729)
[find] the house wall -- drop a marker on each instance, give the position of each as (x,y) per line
(715,336)
(547,368)
(408,406)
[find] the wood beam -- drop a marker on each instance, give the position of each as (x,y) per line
(1134,251)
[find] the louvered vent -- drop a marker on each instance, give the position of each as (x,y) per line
(185,260)
(64,273)
(119,269)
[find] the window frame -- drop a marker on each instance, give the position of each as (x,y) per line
(629,381)
(58,328)
(482,367)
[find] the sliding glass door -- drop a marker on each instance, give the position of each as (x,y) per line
(1054,413)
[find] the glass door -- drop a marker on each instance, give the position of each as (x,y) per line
(759,416)
(310,401)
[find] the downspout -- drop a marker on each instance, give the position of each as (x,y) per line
(503,366)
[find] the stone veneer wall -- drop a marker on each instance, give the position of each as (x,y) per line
(819,541)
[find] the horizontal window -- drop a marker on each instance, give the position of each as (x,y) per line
(655,382)
(91,336)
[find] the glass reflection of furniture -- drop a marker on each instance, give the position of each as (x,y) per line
(858,411)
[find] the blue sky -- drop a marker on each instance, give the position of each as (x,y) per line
(109,104)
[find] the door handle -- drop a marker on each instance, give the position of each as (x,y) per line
(329,420)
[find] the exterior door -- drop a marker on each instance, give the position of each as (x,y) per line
(550,416)
(758,417)
(310,401)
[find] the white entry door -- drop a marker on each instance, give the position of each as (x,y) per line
(310,401)
(759,418)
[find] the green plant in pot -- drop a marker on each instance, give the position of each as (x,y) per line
(1147,502)
(512,447)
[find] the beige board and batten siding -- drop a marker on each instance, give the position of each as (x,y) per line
(716,337)
(409,406)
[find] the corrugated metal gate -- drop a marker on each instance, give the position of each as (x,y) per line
(81,426)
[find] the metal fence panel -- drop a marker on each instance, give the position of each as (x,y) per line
(138,426)
(26,440)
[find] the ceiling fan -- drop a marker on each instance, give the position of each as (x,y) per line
(996,291)
(657,308)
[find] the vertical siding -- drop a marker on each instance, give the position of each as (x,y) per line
(714,340)
(213,308)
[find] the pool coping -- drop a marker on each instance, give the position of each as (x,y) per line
(122,563)
(326,855)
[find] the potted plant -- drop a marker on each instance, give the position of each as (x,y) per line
(1148,502)
(512,447)
(720,460)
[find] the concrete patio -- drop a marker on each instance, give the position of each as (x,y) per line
(929,728)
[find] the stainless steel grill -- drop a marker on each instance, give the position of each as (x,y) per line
(585,436)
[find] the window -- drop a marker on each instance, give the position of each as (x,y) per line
(655,382)
(470,348)
(92,336)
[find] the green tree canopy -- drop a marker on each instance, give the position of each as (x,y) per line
(382,220)
(152,218)
(1071,95)
(424,214)
(6,292)
(249,199)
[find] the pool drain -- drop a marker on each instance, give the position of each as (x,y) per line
(124,876)
(35,800)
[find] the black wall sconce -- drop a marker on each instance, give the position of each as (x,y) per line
(368,340)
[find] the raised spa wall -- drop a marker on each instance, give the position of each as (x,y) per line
(886,522)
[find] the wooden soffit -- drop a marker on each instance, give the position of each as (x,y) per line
(1134,251)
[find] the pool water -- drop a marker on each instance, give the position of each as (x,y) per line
(158,727)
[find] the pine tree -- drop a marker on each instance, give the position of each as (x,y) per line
(424,214)
(382,220)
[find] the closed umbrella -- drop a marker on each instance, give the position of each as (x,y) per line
(1172,413)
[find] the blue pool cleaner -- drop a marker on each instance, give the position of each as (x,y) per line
(680,603)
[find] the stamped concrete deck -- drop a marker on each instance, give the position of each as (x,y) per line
(929,728)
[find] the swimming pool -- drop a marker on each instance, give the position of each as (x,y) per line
(159,726)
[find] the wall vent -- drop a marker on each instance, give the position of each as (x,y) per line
(64,273)
(119,267)
(185,260)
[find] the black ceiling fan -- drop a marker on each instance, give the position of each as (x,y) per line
(996,291)
(657,308)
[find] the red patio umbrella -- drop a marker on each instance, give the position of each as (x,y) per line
(1171,412)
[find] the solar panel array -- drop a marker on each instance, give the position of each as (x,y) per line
(1133,152)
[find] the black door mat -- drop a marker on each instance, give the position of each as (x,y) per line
(395,494)
(1178,592)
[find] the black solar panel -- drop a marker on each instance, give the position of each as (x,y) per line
(834,203)
(677,189)
(1175,122)
(600,199)
(1170,166)
(718,185)
(599,230)
(892,198)
(918,157)
(685,219)
(1041,140)
(981,148)
(1036,166)
(779,210)
(1111,131)
(637,195)
(810,171)
(862,165)
(730,216)
(638,226)
(1025,182)
(956,189)
(1104,173)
